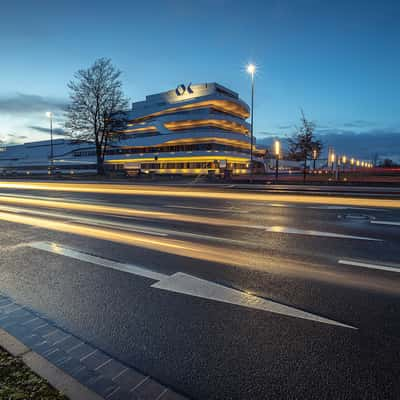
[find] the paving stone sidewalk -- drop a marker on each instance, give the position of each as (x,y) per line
(98,371)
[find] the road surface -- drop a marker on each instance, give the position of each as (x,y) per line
(216,293)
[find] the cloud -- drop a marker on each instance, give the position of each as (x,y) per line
(285,127)
(263,133)
(56,131)
(359,124)
(22,103)
(385,142)
(18,137)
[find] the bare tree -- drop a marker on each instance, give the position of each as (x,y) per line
(97,107)
(303,143)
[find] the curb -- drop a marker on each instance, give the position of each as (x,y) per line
(71,365)
(58,379)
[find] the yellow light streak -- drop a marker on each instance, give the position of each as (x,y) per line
(226,106)
(216,123)
(145,129)
(171,191)
(215,254)
(165,245)
(184,158)
(125,211)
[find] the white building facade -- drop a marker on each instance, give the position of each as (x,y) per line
(193,129)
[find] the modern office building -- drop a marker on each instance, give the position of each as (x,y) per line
(193,129)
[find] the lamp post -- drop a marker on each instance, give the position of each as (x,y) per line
(332,160)
(251,69)
(315,156)
(49,115)
(277,152)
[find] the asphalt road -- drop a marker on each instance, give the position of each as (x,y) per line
(230,341)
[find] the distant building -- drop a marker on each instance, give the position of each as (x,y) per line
(34,158)
(193,129)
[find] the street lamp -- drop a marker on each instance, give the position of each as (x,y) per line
(332,160)
(344,160)
(315,156)
(277,152)
(251,69)
(49,115)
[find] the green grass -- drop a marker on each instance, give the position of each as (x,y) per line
(18,382)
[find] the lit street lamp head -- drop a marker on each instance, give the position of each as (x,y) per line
(277,148)
(49,114)
(251,69)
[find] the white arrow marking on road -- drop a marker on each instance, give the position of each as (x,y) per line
(104,262)
(192,286)
(189,285)
(369,265)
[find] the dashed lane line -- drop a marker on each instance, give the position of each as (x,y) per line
(222,210)
(380,222)
(369,265)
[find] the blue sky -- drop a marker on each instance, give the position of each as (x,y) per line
(339,61)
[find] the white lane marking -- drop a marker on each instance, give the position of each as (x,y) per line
(369,265)
(78,255)
(192,286)
(308,232)
(223,210)
(187,284)
(282,205)
(378,222)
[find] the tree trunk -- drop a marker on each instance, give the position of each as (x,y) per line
(305,171)
(100,161)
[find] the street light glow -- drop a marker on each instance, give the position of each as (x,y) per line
(344,159)
(49,114)
(277,147)
(333,157)
(315,154)
(251,69)
(352,161)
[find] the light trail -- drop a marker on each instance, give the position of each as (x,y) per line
(131,212)
(203,193)
(124,211)
(171,246)
(213,254)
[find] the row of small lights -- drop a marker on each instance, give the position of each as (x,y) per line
(343,159)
